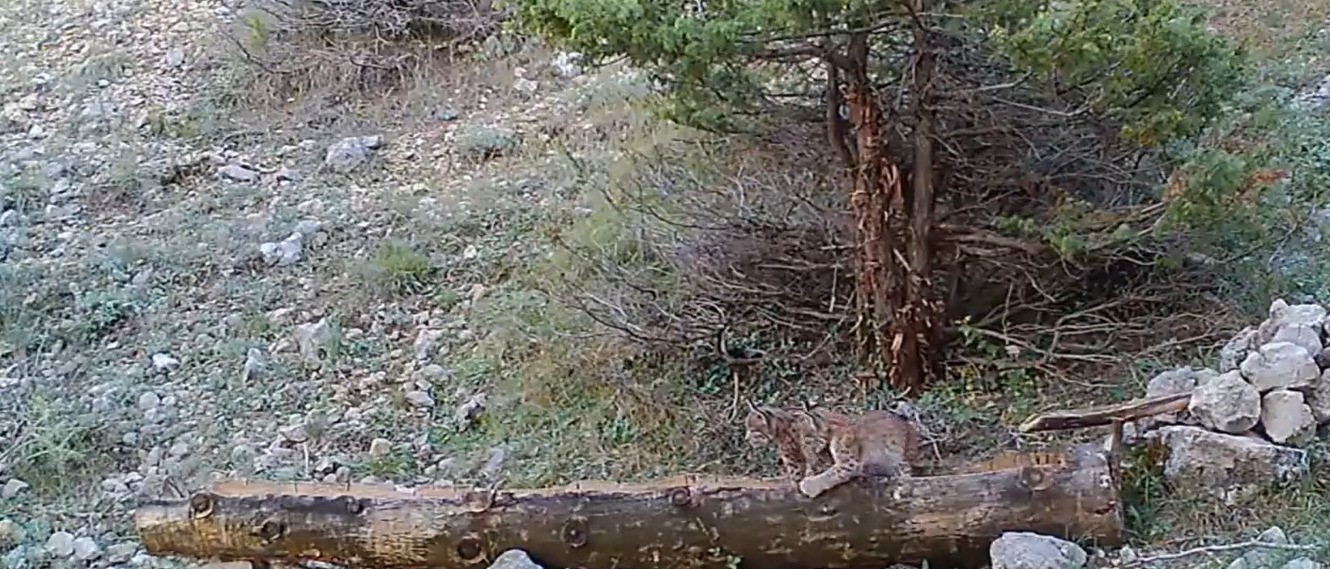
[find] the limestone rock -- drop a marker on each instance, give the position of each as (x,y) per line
(1226,403)
(1318,398)
(1027,550)
(1231,467)
(1235,351)
(514,559)
(1287,418)
(1301,334)
(1280,365)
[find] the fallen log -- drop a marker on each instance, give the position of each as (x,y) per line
(685,522)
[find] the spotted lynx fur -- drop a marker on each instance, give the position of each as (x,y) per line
(875,443)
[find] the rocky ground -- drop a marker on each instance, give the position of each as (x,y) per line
(200,281)
(203,275)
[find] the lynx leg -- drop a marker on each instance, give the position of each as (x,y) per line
(845,465)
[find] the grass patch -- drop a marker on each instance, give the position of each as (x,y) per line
(398,269)
(56,448)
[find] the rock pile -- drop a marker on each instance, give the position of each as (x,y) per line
(1247,422)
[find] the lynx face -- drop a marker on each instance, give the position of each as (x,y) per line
(757,428)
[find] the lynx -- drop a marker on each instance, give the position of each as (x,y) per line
(875,443)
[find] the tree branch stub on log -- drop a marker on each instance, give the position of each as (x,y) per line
(685,522)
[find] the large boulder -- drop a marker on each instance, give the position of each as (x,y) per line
(1231,467)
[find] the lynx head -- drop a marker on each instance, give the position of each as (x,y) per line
(758,424)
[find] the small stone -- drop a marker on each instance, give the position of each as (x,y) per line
(164,363)
(175,57)
(380,447)
(149,400)
(514,559)
(295,433)
(444,113)
(11,533)
(254,364)
(283,253)
(427,341)
(1235,351)
(1027,550)
(285,174)
(420,398)
(1302,563)
(314,340)
(433,371)
(86,549)
(238,173)
(12,488)
(349,153)
(121,552)
(1287,418)
(60,544)
(467,412)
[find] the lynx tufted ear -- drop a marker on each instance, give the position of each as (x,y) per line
(762,412)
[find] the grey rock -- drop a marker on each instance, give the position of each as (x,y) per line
(427,342)
(255,362)
(468,411)
(164,363)
(314,340)
(283,253)
(238,173)
(175,57)
(86,549)
(1171,382)
(60,544)
(1280,365)
(480,142)
(493,463)
(13,488)
(1027,550)
(514,559)
(1302,563)
(380,447)
(1304,335)
(1227,403)
(149,400)
(420,398)
(1231,467)
(1235,351)
(11,533)
(121,552)
(350,153)
(444,113)
(1287,418)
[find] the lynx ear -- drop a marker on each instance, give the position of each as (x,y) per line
(761,411)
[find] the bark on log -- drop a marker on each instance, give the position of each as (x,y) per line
(686,522)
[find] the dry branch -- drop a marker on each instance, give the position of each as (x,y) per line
(1106,414)
(686,522)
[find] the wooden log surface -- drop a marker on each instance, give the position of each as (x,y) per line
(1107,414)
(685,522)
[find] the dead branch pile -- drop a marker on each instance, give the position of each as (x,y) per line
(356,45)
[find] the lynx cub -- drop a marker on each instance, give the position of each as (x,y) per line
(876,443)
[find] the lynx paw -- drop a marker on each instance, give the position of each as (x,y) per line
(809,487)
